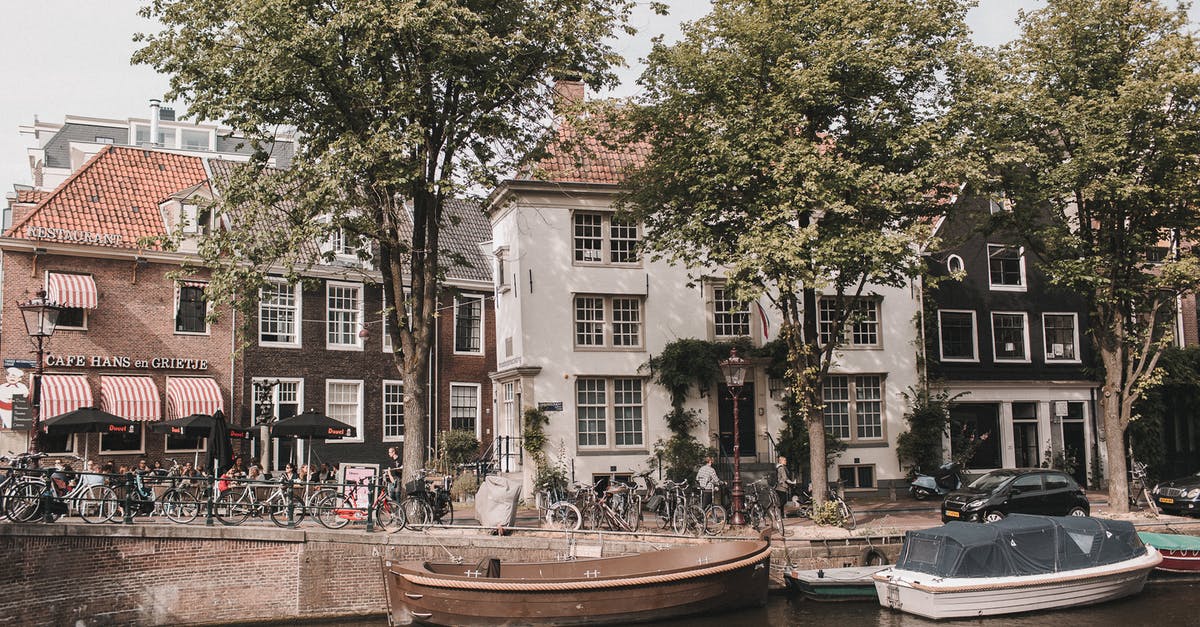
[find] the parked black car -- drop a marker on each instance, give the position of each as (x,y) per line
(1178,496)
(1016,491)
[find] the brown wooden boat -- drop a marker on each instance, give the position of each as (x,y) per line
(635,588)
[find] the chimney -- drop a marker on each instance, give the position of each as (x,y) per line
(568,91)
(154,106)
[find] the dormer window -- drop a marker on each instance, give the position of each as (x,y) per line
(343,244)
(1006,268)
(194,219)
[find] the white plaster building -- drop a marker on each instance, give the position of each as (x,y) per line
(578,315)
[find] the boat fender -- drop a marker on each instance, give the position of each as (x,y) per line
(872,556)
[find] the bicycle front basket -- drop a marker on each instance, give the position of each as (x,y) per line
(414,487)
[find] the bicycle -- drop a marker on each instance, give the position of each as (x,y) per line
(845,512)
(559,512)
(338,510)
(22,464)
(760,506)
(596,510)
(29,495)
(1138,488)
(424,506)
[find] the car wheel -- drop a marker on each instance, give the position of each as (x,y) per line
(993,516)
(1077,511)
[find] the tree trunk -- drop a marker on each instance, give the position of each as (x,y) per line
(1114,429)
(416,402)
(812,410)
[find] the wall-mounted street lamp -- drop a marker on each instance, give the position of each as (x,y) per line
(734,370)
(41,319)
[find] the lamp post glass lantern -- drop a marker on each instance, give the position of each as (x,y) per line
(41,318)
(734,370)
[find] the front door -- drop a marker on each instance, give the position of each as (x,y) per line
(1075,449)
(975,428)
(746,417)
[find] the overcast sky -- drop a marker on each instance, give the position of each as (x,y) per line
(72,57)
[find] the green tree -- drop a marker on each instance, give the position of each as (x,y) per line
(1093,119)
(401,106)
(796,145)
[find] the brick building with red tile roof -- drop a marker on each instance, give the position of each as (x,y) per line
(93,242)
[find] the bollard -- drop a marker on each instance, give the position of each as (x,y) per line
(290,493)
(129,488)
(212,494)
(48,497)
(371,504)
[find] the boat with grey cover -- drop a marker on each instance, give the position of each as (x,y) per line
(1019,564)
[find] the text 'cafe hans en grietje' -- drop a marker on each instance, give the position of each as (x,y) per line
(124,361)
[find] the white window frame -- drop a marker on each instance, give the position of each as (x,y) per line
(478,405)
(962,266)
(1023,286)
(974,337)
(383,390)
(1028,348)
(358,340)
(179,285)
(722,290)
(1050,359)
(847,335)
(297,310)
(502,280)
(852,401)
(358,418)
(610,414)
(458,300)
(299,381)
(607,323)
(606,239)
(210,132)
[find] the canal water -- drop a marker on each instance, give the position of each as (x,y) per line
(1168,604)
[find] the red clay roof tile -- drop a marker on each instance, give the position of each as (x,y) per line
(116,192)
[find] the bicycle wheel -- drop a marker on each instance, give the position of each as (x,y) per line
(665,513)
(417,513)
(276,506)
(679,518)
(563,515)
(633,512)
(23,501)
(179,507)
(232,509)
(445,515)
(847,515)
(715,520)
(334,512)
(695,520)
(97,504)
(388,514)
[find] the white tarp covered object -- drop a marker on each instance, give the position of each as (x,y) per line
(496,501)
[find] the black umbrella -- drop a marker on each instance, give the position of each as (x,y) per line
(197,426)
(312,425)
(88,420)
(220,453)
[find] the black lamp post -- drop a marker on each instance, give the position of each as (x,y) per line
(41,318)
(734,370)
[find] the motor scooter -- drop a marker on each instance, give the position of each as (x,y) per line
(943,481)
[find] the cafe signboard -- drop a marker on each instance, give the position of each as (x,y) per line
(125,361)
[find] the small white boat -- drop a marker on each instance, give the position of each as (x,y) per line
(1020,564)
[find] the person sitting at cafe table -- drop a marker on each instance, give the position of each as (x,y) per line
(93,476)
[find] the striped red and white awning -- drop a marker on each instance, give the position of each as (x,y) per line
(193,395)
(62,393)
(72,290)
(133,398)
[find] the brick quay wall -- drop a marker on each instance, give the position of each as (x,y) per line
(149,574)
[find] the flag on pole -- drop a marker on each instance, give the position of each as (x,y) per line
(766,322)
